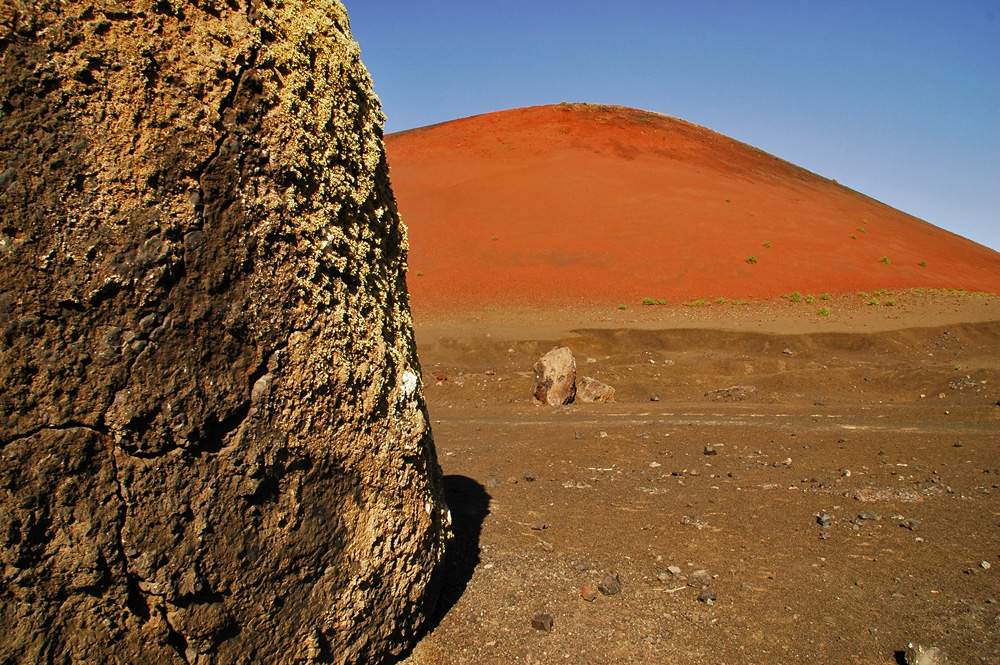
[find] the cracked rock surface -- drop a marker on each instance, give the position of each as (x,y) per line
(214,440)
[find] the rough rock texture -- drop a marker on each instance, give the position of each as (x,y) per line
(555,377)
(591,390)
(917,654)
(214,442)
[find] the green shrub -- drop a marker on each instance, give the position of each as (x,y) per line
(862,229)
(697,303)
(853,237)
(751,259)
(766,244)
(810,299)
(648,301)
(889,303)
(824,311)
(722,301)
(661,302)
(622,306)
(873,302)
(922,264)
(796,297)
(826,296)
(885,260)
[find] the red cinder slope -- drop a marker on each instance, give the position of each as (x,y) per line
(576,203)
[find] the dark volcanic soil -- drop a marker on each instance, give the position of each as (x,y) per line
(881,430)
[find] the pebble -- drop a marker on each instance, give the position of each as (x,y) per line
(824,519)
(588,593)
(708,596)
(539,526)
(910,523)
(578,435)
(493,482)
(710,450)
(542,622)
(985,565)
(654,398)
(529,477)
(610,585)
(867,515)
(674,570)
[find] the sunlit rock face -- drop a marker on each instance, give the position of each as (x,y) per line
(214,441)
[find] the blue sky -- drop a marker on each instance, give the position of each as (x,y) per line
(898,100)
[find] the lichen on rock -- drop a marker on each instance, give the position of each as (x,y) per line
(213,430)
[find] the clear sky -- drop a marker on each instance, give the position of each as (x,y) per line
(897,100)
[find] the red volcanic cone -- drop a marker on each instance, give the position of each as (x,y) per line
(575,203)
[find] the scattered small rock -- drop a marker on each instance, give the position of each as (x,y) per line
(910,523)
(674,570)
(542,622)
(528,477)
(695,521)
(588,593)
(610,585)
(985,565)
(654,398)
(917,654)
(578,435)
(441,377)
(539,526)
(733,393)
(700,577)
(710,450)
(787,352)
(493,482)
(867,515)
(708,596)
(824,519)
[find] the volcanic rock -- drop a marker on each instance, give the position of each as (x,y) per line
(555,377)
(592,390)
(610,584)
(215,441)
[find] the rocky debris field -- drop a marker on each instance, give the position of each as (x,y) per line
(845,508)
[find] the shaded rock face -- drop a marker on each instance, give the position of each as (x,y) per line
(214,442)
(555,378)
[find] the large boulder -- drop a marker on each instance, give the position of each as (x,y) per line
(214,441)
(555,378)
